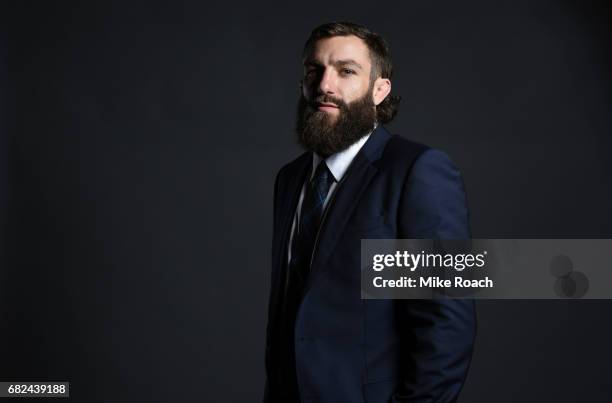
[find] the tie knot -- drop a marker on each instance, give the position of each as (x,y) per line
(322,179)
(322,174)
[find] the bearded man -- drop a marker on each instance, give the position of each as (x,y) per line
(357,181)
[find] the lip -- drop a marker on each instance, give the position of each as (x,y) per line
(326,107)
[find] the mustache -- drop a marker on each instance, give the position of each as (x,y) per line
(328,99)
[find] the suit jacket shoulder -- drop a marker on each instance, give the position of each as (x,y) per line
(293,167)
(399,149)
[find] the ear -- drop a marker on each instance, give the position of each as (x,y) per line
(382,88)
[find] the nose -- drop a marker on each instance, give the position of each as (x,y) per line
(327,85)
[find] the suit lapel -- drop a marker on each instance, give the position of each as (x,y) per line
(291,195)
(347,196)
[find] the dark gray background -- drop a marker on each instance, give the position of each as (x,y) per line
(143,139)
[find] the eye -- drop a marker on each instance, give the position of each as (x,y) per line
(348,71)
(309,73)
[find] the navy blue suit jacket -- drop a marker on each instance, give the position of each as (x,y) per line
(352,350)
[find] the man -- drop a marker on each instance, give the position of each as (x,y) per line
(356,181)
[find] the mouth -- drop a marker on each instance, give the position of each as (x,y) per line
(323,106)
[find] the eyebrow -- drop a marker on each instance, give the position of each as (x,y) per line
(344,62)
(348,61)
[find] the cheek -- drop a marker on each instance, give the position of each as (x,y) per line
(307,92)
(355,90)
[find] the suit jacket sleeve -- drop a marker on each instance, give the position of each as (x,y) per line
(437,334)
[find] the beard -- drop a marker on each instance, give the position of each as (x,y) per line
(325,134)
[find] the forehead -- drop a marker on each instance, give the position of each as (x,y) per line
(330,50)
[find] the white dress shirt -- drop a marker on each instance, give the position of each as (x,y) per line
(338,164)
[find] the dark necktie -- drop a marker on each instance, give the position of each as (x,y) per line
(310,221)
(299,266)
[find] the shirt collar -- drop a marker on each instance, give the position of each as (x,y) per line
(339,162)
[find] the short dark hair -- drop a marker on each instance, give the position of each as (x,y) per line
(380,58)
